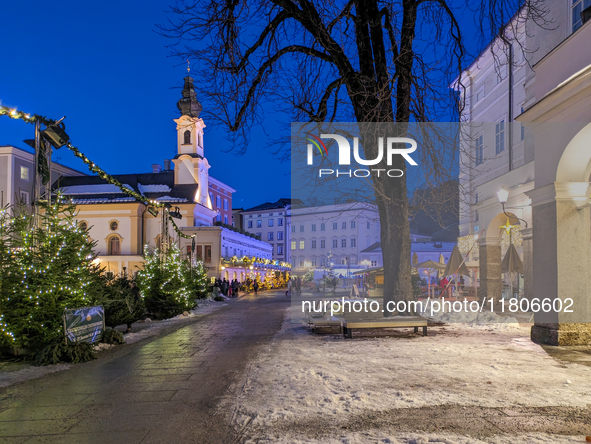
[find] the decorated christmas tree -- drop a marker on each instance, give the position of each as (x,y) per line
(46,269)
(169,284)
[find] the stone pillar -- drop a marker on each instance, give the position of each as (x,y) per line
(528,262)
(491,284)
(562,263)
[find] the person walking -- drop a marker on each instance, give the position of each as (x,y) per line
(235,287)
(288,292)
(443,285)
(255,286)
(225,287)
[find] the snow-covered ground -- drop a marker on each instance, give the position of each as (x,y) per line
(303,377)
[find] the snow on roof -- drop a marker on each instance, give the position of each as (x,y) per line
(171,199)
(101,200)
(155,188)
(106,188)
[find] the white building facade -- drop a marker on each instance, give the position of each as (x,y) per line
(544,169)
(332,236)
(271,222)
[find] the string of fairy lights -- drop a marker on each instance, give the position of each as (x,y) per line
(14,113)
(52,246)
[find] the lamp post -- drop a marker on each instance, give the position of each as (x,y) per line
(503,195)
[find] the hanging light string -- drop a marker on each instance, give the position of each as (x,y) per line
(14,113)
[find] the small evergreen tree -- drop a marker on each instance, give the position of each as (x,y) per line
(50,268)
(122,304)
(196,280)
(169,284)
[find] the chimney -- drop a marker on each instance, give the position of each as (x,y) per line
(156,168)
(166,164)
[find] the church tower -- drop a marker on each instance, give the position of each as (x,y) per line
(190,164)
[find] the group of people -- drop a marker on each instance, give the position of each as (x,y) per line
(294,284)
(228,289)
(445,284)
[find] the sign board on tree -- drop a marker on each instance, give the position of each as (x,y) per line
(84,324)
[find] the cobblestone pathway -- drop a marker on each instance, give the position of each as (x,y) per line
(162,391)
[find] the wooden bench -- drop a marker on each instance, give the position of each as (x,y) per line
(352,323)
(329,321)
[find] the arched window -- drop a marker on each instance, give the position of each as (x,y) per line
(114,246)
(187,138)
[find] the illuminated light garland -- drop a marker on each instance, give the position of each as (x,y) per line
(14,113)
(515,238)
(465,243)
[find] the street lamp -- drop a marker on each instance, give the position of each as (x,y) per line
(503,195)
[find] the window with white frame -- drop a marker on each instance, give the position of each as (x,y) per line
(322,227)
(270,235)
(280,222)
(368,225)
(293,228)
(353,242)
(271,222)
(226,204)
(344,225)
(249,224)
(335,243)
(259,223)
(313,227)
(479,155)
(577,7)
(279,249)
(301,228)
(302,242)
(293,245)
(343,243)
(313,261)
(352,224)
(322,243)
(280,235)
(226,219)
(480,94)
(334,226)
(500,137)
(218,201)
(313,244)
(24,173)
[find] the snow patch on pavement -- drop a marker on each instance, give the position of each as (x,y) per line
(427,438)
(304,376)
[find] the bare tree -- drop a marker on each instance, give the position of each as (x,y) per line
(330,61)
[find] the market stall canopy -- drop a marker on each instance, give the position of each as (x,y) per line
(430,264)
(512,262)
(455,264)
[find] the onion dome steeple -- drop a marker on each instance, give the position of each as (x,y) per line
(189,105)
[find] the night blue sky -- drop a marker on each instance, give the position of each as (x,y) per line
(103,66)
